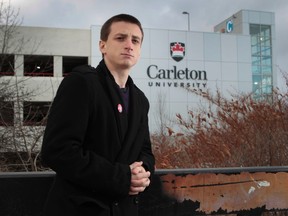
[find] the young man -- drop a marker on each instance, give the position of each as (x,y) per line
(97,138)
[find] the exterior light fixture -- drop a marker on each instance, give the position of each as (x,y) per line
(186,13)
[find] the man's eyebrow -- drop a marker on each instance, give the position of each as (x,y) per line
(137,38)
(120,34)
(125,35)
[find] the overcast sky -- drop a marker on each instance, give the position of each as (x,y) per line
(163,14)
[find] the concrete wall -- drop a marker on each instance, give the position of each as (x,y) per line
(54,41)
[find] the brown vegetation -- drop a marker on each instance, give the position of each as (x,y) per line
(235,132)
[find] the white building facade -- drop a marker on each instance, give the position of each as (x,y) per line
(237,57)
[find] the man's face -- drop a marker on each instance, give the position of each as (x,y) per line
(122,49)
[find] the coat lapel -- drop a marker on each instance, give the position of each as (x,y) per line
(128,144)
(116,102)
(117,107)
(126,135)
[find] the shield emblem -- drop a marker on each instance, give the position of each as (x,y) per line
(177,51)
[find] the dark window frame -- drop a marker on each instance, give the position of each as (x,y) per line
(7,65)
(70,62)
(38,65)
(35,112)
(6,113)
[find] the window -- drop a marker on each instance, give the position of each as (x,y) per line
(35,113)
(267,70)
(262,85)
(70,62)
(6,113)
(261,49)
(38,65)
(265,31)
(254,29)
(6,65)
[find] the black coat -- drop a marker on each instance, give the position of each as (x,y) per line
(89,143)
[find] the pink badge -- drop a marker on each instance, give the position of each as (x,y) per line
(120,108)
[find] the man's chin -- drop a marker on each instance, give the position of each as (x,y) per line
(127,65)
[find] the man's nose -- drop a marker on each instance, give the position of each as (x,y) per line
(129,45)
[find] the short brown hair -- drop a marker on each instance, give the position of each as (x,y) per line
(106,28)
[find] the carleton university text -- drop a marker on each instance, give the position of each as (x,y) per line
(177,78)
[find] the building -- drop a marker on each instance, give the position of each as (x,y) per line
(260,26)
(237,57)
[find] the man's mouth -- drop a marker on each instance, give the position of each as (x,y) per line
(127,55)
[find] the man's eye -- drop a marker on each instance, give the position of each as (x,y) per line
(135,41)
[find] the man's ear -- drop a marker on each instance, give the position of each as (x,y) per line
(102,46)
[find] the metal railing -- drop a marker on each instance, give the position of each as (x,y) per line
(207,191)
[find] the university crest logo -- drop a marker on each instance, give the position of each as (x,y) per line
(177,51)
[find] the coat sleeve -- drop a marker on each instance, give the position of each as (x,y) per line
(62,148)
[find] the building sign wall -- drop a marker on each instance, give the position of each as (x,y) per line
(174,60)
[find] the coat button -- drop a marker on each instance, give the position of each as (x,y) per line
(136,200)
(115,203)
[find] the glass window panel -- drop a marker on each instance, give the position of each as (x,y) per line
(256,69)
(254,29)
(267,89)
(265,42)
(265,30)
(266,60)
(254,40)
(266,51)
(255,50)
(256,84)
(261,60)
(256,60)
(266,80)
(267,69)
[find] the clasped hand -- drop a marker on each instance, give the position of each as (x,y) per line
(139,178)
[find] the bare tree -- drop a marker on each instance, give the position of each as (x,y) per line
(9,22)
(19,141)
(161,117)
